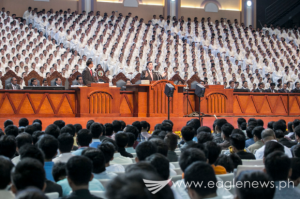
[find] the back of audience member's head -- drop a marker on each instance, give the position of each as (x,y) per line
(237,139)
(249,131)
(72,127)
(226,162)
(296,123)
(131,186)
(7,123)
(116,126)
(236,160)
(204,128)
(108,150)
(171,141)
(66,142)
(123,124)
(144,125)
(267,135)
(260,122)
(108,129)
(161,146)
(8,146)
(297,132)
(271,147)
(227,130)
(161,164)
(214,151)
(162,134)
(66,129)
(190,156)
(36,136)
(257,132)
(53,130)
(12,130)
(121,139)
(219,123)
(246,190)
(252,123)
(109,140)
(132,129)
(131,139)
(5,168)
(59,171)
(204,136)
(31,193)
(279,125)
(167,126)
(137,124)
(49,145)
(296,151)
(79,171)
(282,170)
(270,124)
(84,137)
(30,129)
(28,172)
(31,151)
(59,123)
(240,121)
(204,173)
(157,127)
(142,166)
(145,149)
(38,121)
(78,127)
(187,133)
(96,130)
(295,177)
(89,124)
(279,134)
(37,126)
(243,126)
(23,122)
(97,158)
(290,127)
(22,139)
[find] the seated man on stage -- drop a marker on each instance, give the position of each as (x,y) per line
(79,81)
(34,82)
(297,88)
(13,84)
(87,74)
(149,74)
(58,82)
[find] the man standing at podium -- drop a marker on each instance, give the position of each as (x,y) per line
(149,74)
(87,73)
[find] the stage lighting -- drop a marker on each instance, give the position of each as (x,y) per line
(169,90)
(200,90)
(249,3)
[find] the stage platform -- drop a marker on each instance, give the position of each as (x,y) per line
(179,122)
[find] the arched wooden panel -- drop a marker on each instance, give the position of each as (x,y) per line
(216,103)
(100,103)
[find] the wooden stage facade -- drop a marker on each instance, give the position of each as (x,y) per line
(144,102)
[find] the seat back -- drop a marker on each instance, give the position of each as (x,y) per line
(104,182)
(52,195)
(252,162)
(178,171)
(100,194)
(249,167)
(226,177)
(176,164)
(176,178)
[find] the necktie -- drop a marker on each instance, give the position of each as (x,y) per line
(91,73)
(151,75)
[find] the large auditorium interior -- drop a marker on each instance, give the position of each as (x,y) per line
(149,99)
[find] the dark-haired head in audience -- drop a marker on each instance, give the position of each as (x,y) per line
(53,130)
(121,139)
(214,151)
(256,132)
(30,129)
(108,130)
(296,151)
(84,138)
(157,127)
(250,139)
(22,139)
(23,122)
(204,136)
(218,129)
(59,123)
(226,132)
(247,190)
(295,177)
(79,174)
(252,122)
(161,164)
(187,135)
(66,142)
(96,131)
(189,156)
(49,145)
(297,139)
(89,124)
(171,141)
(38,121)
(30,151)
(78,127)
(240,121)
(6,166)
(59,171)
(167,126)
(28,172)
(226,162)
(204,173)
(36,136)
(260,122)
(7,123)
(116,126)
(237,142)
(12,130)
(130,143)
(8,146)
(145,149)
(144,131)
(108,150)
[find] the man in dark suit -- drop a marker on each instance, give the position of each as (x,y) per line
(245,86)
(45,83)
(79,173)
(297,88)
(271,89)
(260,88)
(79,81)
(87,74)
(231,85)
(149,74)
(34,82)
(58,82)
(283,90)
(13,84)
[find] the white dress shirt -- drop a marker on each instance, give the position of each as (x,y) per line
(260,152)
(64,157)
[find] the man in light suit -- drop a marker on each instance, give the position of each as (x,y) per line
(87,74)
(149,74)
(13,84)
